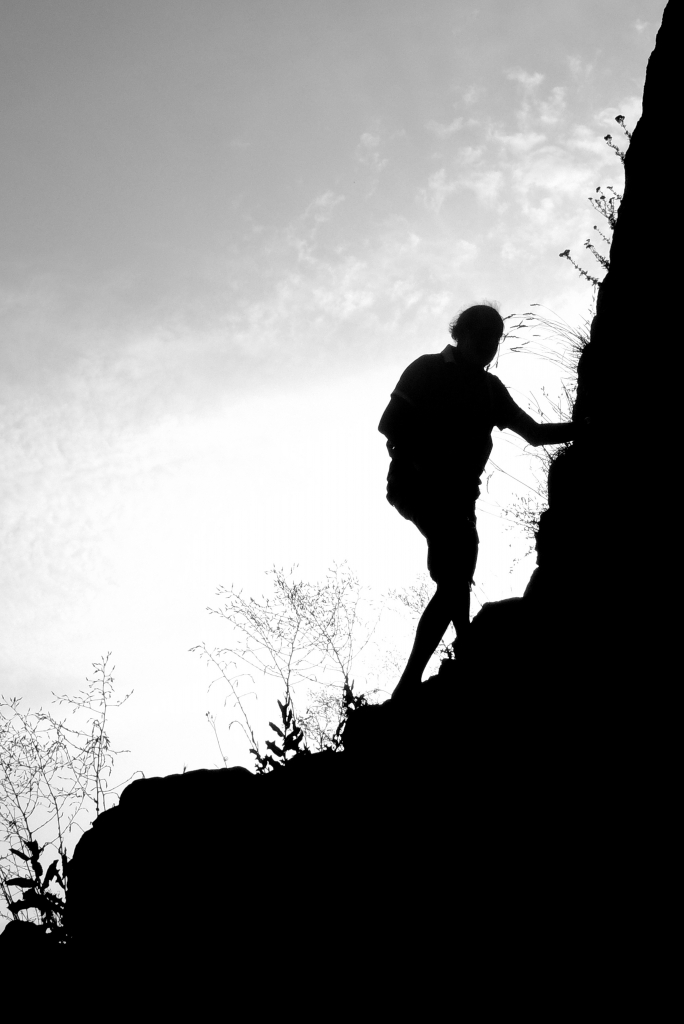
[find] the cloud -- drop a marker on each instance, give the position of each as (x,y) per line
(630,107)
(321,209)
(586,139)
(367,152)
(436,191)
(527,80)
(519,142)
(532,177)
(580,70)
(509,251)
(443,131)
(486,184)
(552,110)
(361,298)
(533,109)
(303,232)
(550,169)
(470,154)
(472,94)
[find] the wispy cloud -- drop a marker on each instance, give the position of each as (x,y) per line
(443,131)
(552,109)
(487,184)
(472,94)
(518,142)
(368,152)
(629,107)
(371,153)
(529,80)
(357,298)
(432,196)
(322,207)
(303,232)
(581,70)
(531,176)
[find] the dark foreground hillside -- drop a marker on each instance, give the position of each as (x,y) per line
(503,840)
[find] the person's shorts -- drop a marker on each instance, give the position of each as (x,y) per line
(452,544)
(445,518)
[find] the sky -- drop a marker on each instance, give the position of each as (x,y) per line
(225,229)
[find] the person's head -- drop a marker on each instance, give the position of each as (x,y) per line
(477,332)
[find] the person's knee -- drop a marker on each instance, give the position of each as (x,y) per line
(441,596)
(453,591)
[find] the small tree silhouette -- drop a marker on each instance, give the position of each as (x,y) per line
(306,633)
(54,778)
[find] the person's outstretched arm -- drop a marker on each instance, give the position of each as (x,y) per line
(544,433)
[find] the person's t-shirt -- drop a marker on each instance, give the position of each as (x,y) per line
(443,410)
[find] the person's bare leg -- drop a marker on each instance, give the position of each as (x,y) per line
(446,605)
(461,613)
(461,608)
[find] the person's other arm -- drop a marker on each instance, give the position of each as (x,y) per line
(400,422)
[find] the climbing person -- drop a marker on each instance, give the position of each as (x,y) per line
(438,426)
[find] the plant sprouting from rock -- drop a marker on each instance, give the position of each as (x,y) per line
(552,338)
(606,204)
(303,636)
(55,778)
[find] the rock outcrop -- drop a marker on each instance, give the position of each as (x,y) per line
(483,844)
(596,611)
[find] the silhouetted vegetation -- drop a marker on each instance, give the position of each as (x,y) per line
(606,205)
(552,339)
(55,778)
(303,636)
(520,806)
(548,337)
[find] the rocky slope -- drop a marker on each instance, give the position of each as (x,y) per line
(481,844)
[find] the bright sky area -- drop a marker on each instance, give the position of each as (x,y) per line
(227,227)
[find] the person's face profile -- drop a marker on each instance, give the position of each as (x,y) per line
(480,351)
(489,349)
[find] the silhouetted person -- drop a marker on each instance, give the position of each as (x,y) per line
(438,426)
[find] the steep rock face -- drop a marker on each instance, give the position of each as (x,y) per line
(598,599)
(481,838)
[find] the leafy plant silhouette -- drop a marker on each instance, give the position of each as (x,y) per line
(606,205)
(305,633)
(54,779)
(37,894)
(291,739)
